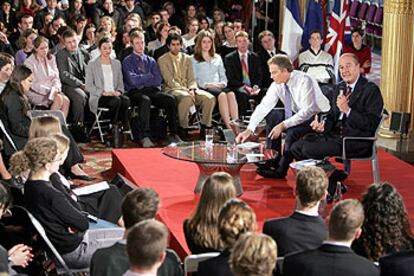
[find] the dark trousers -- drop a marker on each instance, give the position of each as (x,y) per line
(243,98)
(317,147)
(78,99)
(144,98)
(293,134)
(74,154)
(118,108)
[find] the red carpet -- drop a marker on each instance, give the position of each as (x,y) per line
(174,181)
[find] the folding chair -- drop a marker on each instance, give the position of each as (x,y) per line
(97,124)
(57,113)
(191,262)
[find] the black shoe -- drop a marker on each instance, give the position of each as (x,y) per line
(268,173)
(269,164)
(344,188)
(329,198)
(71,175)
(117,136)
(183,133)
(339,175)
(80,134)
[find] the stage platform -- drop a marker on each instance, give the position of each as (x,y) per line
(175,180)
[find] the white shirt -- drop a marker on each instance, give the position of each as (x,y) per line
(108,77)
(307,100)
(130,273)
(337,243)
(246,58)
(308,213)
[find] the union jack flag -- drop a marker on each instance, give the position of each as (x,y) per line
(339,30)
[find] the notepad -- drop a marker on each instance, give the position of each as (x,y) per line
(92,188)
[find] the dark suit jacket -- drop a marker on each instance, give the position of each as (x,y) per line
(328,260)
(217,266)
(264,57)
(71,73)
(297,232)
(367,104)
(233,66)
(401,264)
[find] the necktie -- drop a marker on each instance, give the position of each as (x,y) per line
(288,102)
(348,91)
(76,58)
(271,53)
(245,71)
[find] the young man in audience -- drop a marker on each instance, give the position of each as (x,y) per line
(302,99)
(400,263)
(50,8)
(315,61)
(150,31)
(305,228)
(179,81)
(142,78)
(131,7)
(25,22)
(71,63)
(138,205)
(146,245)
(243,70)
(334,256)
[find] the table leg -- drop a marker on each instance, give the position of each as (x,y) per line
(208,169)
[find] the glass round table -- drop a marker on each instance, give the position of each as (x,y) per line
(219,157)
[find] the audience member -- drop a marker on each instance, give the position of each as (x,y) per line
(244,73)
(401,264)
(201,231)
(104,83)
(94,51)
(58,40)
(175,19)
(71,63)
(235,219)
(78,25)
(315,61)
(50,8)
(8,16)
(142,83)
(146,245)
(26,40)
(335,255)
(129,8)
(360,50)
(25,22)
(305,228)
(192,30)
(165,16)
(177,72)
(161,34)
(302,99)
(211,76)
(46,89)
(253,255)
(108,9)
(386,228)
(151,30)
(65,224)
(138,205)
(6,69)
(230,44)
(218,33)
(204,24)
(28,7)
(164,49)
(88,37)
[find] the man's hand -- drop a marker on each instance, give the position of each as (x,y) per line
(317,126)
(248,89)
(20,255)
(342,102)
(276,131)
(243,136)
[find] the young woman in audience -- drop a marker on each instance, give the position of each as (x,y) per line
(76,8)
(105,85)
(28,7)
(192,29)
(6,69)
(65,223)
(8,16)
(15,107)
(229,45)
(211,76)
(88,38)
(386,227)
(218,34)
(108,24)
(235,219)
(46,89)
(218,16)
(204,24)
(26,40)
(94,51)
(162,34)
(47,20)
(78,25)
(201,231)
(190,13)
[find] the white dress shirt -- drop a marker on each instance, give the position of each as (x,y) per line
(131,273)
(307,100)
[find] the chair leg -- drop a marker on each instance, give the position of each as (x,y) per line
(94,124)
(375,169)
(100,128)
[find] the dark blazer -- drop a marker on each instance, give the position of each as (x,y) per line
(233,66)
(71,73)
(38,20)
(367,104)
(217,266)
(401,264)
(264,57)
(295,233)
(328,260)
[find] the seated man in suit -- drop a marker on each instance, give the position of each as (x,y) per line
(243,70)
(315,61)
(334,256)
(138,205)
(179,81)
(142,78)
(401,264)
(71,63)
(146,245)
(50,8)
(302,99)
(356,111)
(305,228)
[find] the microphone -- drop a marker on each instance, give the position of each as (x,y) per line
(342,89)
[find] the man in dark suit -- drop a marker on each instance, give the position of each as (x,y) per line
(50,8)
(71,62)
(356,110)
(138,205)
(335,256)
(305,228)
(244,72)
(401,264)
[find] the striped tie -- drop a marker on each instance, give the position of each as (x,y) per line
(245,71)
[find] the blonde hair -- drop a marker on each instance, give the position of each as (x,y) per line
(217,189)
(311,185)
(253,254)
(235,218)
(62,142)
(44,126)
(110,19)
(36,154)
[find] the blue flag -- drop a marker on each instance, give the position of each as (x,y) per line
(313,21)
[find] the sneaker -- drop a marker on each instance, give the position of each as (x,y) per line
(147,143)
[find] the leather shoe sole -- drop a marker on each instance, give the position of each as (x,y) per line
(267,173)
